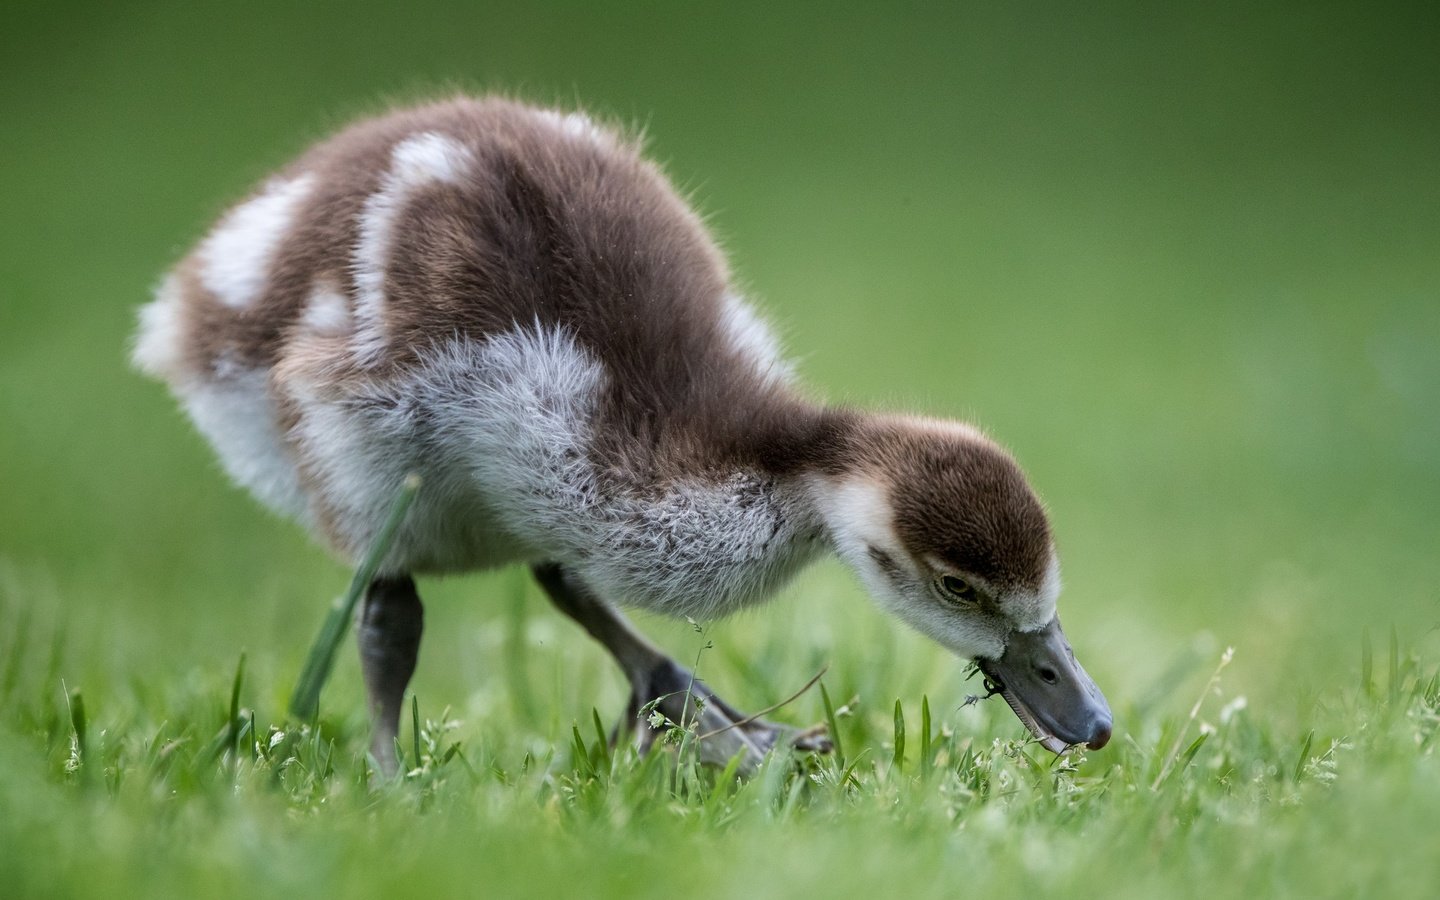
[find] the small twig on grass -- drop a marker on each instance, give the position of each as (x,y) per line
(305,702)
(701,630)
(769,709)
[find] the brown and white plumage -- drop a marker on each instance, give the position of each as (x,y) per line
(517,305)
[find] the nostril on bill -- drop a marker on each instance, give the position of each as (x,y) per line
(1100,736)
(1047,674)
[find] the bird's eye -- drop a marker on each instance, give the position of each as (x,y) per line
(958,589)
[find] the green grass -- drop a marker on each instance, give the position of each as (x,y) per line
(202,787)
(1182,262)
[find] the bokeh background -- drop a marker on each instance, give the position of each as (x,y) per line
(1183,259)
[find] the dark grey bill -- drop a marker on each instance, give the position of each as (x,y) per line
(1049,691)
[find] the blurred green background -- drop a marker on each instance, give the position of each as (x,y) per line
(1183,259)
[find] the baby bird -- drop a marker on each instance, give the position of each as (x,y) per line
(515,304)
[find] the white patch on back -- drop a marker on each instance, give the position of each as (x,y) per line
(235,258)
(754,340)
(420,160)
(577,125)
(326,311)
(159,343)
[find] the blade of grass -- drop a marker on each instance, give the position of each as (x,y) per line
(602,740)
(235,706)
(792,800)
(582,762)
(1189,755)
(834,728)
(925,761)
(305,702)
(848,775)
(724,781)
(75,701)
(243,729)
(415,729)
(1304,755)
(898,762)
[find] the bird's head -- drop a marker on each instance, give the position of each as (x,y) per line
(945,531)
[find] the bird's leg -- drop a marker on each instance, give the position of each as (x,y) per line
(389,636)
(658,682)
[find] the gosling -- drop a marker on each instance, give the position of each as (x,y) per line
(515,304)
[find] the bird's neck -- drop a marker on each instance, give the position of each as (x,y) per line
(728,516)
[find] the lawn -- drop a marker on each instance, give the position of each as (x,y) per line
(1183,263)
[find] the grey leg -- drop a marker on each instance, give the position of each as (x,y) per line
(655,676)
(389,635)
